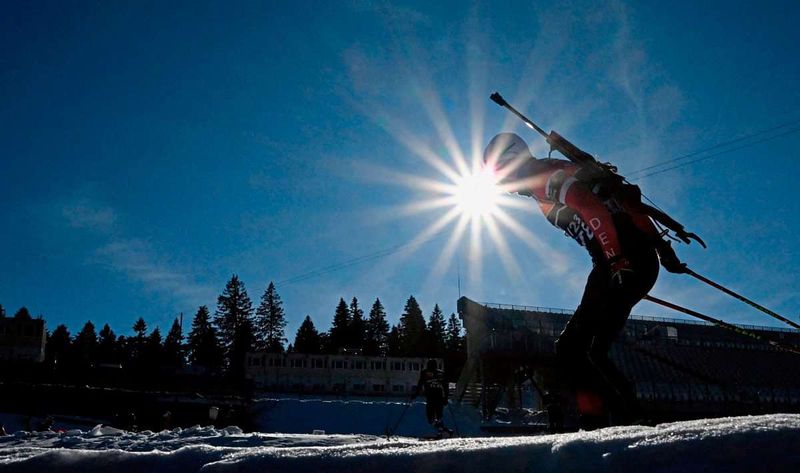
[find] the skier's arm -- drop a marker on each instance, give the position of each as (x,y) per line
(577,196)
(641,218)
(557,184)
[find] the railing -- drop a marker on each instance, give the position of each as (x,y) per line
(646,318)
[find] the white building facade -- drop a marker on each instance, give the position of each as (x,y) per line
(335,374)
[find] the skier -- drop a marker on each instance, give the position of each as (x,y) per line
(625,248)
(432,384)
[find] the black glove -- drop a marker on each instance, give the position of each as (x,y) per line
(621,271)
(687,238)
(669,260)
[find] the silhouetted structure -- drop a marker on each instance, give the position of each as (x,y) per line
(22,339)
(343,373)
(681,369)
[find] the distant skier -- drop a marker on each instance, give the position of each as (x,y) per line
(625,248)
(434,387)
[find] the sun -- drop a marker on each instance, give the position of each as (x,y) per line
(476,194)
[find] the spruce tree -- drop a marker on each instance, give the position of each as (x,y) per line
(153,348)
(393,342)
(271,321)
(58,346)
(340,329)
(456,354)
(233,319)
(203,345)
(454,341)
(307,339)
(107,345)
(173,346)
(377,333)
(136,348)
(357,326)
(412,329)
(85,343)
(23,314)
(436,333)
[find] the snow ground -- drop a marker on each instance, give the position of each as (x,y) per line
(737,444)
(362,416)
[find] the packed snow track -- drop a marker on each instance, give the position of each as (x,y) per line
(735,444)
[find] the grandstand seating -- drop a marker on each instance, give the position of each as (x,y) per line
(680,368)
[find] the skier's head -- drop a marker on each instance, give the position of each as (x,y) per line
(432,364)
(505,154)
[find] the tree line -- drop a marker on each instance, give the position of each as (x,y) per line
(220,342)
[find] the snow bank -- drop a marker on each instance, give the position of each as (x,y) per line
(737,444)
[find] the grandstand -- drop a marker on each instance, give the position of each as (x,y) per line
(681,369)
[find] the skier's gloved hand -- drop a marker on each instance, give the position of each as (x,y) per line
(621,271)
(687,237)
(669,260)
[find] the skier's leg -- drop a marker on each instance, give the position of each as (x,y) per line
(430,411)
(572,350)
(616,389)
(572,345)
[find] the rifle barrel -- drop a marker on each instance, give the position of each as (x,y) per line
(499,100)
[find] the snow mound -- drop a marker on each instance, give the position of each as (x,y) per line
(735,444)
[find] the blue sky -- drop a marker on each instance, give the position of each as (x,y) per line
(150,150)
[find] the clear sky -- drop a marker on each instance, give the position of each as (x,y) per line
(149,150)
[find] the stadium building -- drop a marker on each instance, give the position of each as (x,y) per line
(681,369)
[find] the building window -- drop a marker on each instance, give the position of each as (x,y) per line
(396,366)
(414,366)
(359,365)
(398,388)
(317,363)
(377,365)
(338,364)
(378,388)
(359,387)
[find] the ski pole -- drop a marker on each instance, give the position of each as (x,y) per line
(455,423)
(741,298)
(389,433)
(741,331)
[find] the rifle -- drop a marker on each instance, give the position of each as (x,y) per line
(602,177)
(595,168)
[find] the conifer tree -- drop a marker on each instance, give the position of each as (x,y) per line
(233,319)
(58,346)
(412,329)
(456,353)
(85,343)
(454,341)
(271,321)
(153,348)
(203,345)
(23,314)
(357,326)
(393,342)
(436,333)
(307,339)
(377,333)
(173,346)
(107,345)
(339,333)
(136,348)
